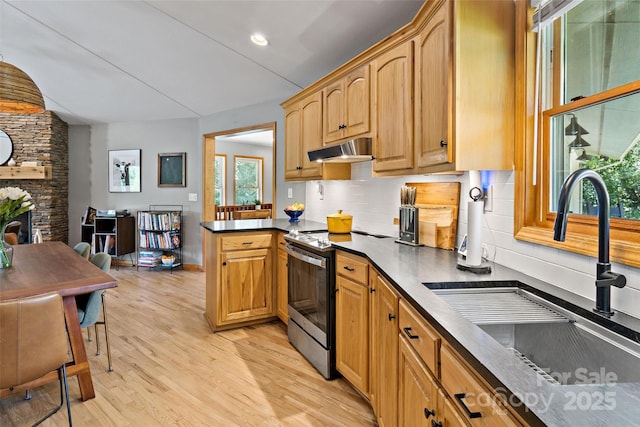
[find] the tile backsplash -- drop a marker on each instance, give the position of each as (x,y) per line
(374,203)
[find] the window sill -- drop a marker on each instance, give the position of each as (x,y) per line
(623,252)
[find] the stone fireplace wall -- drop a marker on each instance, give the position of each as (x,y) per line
(43,137)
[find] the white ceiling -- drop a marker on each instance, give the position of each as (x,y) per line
(119,61)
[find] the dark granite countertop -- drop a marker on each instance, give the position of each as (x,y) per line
(539,402)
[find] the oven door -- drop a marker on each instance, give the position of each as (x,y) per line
(308,291)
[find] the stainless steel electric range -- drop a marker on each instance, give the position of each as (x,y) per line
(311,291)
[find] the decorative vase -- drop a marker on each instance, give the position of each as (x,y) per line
(6,250)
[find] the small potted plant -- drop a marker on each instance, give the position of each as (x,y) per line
(258,203)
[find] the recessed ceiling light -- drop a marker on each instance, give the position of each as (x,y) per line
(259,39)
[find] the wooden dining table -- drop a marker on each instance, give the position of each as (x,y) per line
(55,267)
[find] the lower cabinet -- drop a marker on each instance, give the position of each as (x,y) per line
(384,350)
(352,320)
(282,281)
(418,391)
(242,291)
(437,388)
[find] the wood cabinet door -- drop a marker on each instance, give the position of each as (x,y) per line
(385,326)
(311,122)
(357,102)
(352,332)
(393,92)
(282,286)
(334,117)
(417,398)
(246,291)
(293,143)
(449,416)
(433,90)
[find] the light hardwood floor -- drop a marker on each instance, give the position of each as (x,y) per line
(171,370)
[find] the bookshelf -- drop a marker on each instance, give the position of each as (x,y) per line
(160,237)
(113,235)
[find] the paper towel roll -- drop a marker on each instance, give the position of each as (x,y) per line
(474,233)
(475,180)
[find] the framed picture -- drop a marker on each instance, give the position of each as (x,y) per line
(172,169)
(124,171)
(89,216)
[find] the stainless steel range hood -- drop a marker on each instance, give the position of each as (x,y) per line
(351,151)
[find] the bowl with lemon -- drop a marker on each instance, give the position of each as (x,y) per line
(294,211)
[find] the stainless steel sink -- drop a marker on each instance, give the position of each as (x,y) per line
(559,345)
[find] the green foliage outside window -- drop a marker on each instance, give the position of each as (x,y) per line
(622,178)
(248,180)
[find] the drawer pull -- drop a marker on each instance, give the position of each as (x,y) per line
(346,267)
(436,424)
(391,316)
(407,331)
(459,397)
(428,413)
(372,290)
(247,243)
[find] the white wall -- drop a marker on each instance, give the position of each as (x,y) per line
(374,203)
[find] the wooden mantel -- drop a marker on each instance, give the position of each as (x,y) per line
(25,172)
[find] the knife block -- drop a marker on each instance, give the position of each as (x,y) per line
(409,225)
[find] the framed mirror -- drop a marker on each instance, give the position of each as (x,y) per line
(6,148)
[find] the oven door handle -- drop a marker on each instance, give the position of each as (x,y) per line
(297,253)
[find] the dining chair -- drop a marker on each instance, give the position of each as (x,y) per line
(34,343)
(83,249)
(90,306)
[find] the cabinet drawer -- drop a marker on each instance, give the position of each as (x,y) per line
(355,268)
(469,395)
(420,336)
(281,242)
(245,241)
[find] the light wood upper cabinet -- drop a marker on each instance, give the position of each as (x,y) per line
(393,114)
(303,132)
(464,97)
(347,106)
(432,91)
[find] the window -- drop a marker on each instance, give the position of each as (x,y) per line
(598,55)
(220,173)
(248,179)
(588,117)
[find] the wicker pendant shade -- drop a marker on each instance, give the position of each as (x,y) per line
(18,93)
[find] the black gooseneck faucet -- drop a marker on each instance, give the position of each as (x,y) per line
(605,278)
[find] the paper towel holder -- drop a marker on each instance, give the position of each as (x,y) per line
(483,268)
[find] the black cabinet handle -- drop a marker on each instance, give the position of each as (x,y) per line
(443,143)
(436,424)
(342,127)
(407,331)
(224,263)
(428,413)
(391,316)
(372,290)
(346,267)
(459,397)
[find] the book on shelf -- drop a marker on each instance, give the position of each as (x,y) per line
(159,240)
(166,221)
